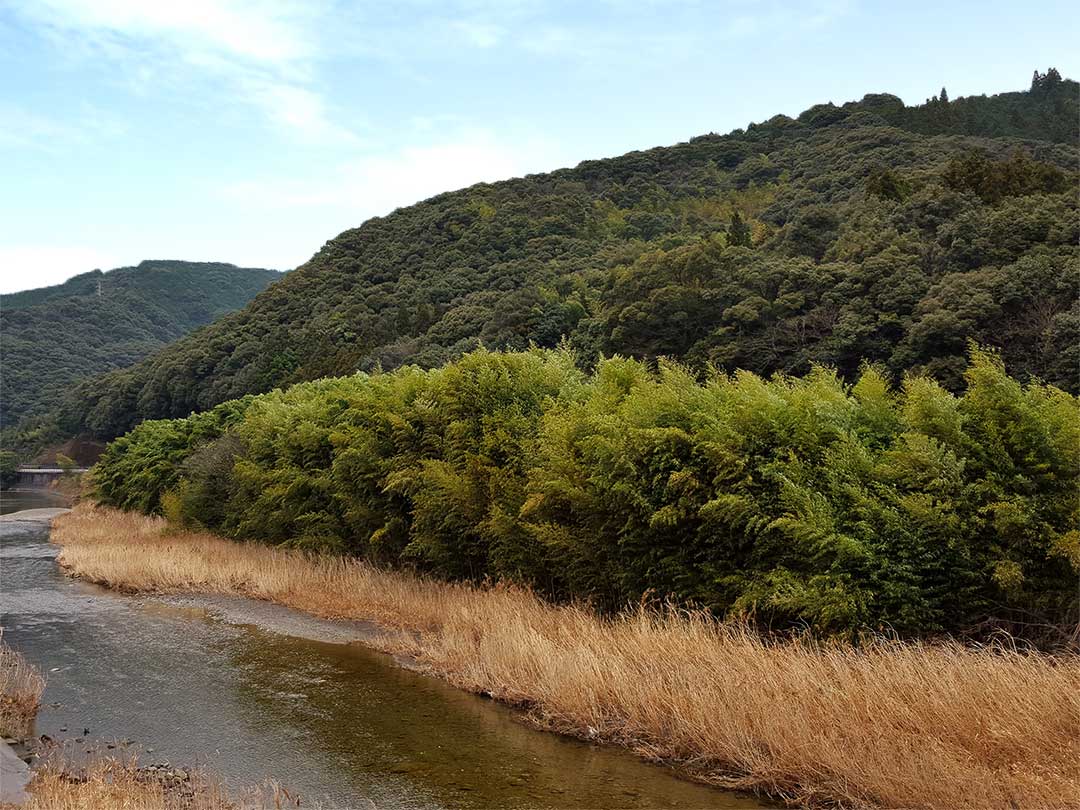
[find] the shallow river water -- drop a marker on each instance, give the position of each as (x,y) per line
(15,500)
(255,692)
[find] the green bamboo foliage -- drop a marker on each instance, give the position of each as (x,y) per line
(789,500)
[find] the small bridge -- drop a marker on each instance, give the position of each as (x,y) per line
(42,477)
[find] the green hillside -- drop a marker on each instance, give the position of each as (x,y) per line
(55,336)
(864,232)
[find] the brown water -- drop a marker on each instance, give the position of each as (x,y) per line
(234,685)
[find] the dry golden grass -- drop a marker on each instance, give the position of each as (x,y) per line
(21,686)
(111,783)
(121,784)
(891,725)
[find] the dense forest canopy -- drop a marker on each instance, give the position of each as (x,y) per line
(55,336)
(870,231)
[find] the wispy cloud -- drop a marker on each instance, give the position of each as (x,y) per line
(700,27)
(478,32)
(21,128)
(263,52)
(269,32)
(378,183)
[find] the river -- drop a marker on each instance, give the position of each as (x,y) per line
(15,500)
(253,691)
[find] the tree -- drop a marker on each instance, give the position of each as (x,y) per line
(1045,82)
(8,464)
(885,183)
(65,463)
(738,233)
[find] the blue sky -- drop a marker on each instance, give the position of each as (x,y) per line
(252,132)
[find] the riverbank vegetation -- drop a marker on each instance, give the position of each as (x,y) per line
(791,501)
(884,724)
(21,686)
(111,782)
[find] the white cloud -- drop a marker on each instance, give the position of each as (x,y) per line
(262,51)
(270,31)
(26,267)
(377,184)
(298,109)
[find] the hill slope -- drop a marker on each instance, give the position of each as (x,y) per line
(870,231)
(56,336)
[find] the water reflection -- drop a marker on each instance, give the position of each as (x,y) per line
(15,500)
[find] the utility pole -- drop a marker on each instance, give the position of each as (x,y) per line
(99,288)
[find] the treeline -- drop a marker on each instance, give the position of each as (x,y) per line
(1047,112)
(871,231)
(55,336)
(789,500)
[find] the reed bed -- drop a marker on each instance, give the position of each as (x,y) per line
(889,724)
(21,686)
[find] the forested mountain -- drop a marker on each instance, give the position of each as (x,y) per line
(869,231)
(56,336)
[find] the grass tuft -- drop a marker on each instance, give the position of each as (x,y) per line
(122,784)
(21,686)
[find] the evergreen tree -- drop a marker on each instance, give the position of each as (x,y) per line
(738,231)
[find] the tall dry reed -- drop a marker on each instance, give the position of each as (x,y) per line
(888,725)
(21,686)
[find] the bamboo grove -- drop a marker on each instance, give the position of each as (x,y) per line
(793,501)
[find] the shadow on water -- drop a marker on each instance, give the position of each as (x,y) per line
(335,722)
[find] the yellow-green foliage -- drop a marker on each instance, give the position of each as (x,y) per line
(790,499)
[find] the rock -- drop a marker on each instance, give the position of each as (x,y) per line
(14,774)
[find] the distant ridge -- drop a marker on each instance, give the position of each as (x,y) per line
(96,321)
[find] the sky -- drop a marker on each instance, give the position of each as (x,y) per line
(252,131)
